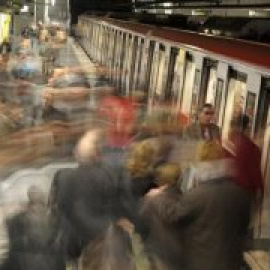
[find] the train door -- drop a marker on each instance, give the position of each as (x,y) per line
(103,44)
(123,53)
(99,42)
(162,76)
(235,99)
(128,63)
(154,72)
(107,47)
(118,58)
(85,33)
(114,47)
(138,56)
(189,79)
(177,80)
(134,50)
(88,46)
(112,53)
(159,73)
(95,41)
(146,65)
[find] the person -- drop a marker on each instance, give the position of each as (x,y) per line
(247,156)
(88,197)
(163,239)
(204,129)
(49,112)
(212,220)
(34,242)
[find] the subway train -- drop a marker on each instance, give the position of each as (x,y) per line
(186,70)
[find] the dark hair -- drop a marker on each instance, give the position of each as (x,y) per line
(207,106)
(241,121)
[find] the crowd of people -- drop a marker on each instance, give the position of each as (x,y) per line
(147,212)
(129,204)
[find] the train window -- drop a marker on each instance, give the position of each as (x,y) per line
(171,73)
(263,107)
(208,83)
(235,99)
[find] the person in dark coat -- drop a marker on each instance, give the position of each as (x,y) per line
(34,242)
(163,239)
(90,198)
(212,220)
(204,129)
(140,178)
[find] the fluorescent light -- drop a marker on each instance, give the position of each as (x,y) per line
(25,9)
(53,2)
(251,12)
(167,4)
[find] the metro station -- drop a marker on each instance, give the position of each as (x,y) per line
(134,135)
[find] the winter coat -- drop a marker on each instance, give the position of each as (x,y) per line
(34,242)
(135,189)
(163,239)
(212,220)
(89,198)
(196,132)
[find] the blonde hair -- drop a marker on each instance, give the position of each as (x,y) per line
(167,174)
(209,150)
(141,159)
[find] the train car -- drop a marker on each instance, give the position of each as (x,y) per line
(187,69)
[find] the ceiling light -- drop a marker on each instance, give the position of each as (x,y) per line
(25,9)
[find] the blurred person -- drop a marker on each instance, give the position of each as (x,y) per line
(88,197)
(49,112)
(247,156)
(34,242)
(112,251)
(121,248)
(121,112)
(163,239)
(210,154)
(139,165)
(247,164)
(204,129)
(212,219)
